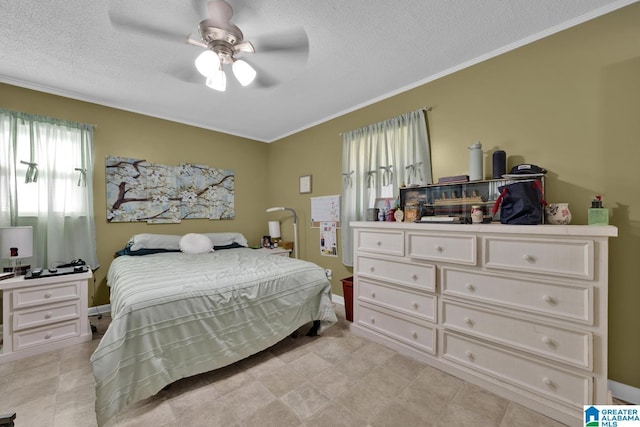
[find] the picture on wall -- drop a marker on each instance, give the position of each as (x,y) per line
(138,190)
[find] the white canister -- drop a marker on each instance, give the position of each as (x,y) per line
(476,214)
(475,162)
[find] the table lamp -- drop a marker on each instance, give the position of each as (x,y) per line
(16,243)
(295,227)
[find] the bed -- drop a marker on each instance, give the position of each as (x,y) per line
(177,314)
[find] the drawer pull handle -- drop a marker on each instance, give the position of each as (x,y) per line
(372,269)
(469,355)
(415,305)
(373,320)
(414,277)
(439,248)
(470,287)
(414,334)
(47,335)
(48,295)
(548,341)
(379,243)
(468,321)
(529,258)
(548,299)
(373,294)
(47,315)
(547,381)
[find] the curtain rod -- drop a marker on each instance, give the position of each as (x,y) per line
(426,109)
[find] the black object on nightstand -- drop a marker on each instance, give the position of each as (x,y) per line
(6,420)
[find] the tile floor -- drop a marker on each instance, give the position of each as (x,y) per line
(337,379)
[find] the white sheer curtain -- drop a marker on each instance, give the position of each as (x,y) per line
(376,160)
(46,181)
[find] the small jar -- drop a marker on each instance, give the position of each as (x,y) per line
(476,214)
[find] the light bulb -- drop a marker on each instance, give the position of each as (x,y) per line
(243,72)
(207,63)
(218,80)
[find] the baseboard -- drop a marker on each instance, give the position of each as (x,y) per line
(337,299)
(625,392)
(99,310)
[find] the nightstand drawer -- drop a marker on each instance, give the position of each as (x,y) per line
(23,319)
(40,336)
(31,296)
(459,249)
(420,276)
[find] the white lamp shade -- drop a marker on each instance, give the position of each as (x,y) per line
(16,242)
(243,72)
(274,229)
(207,63)
(217,81)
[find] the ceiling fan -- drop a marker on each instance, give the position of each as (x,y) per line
(222,40)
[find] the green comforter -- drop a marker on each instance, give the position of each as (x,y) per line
(175,315)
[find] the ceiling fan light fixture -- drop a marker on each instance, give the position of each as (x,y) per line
(207,63)
(217,80)
(243,72)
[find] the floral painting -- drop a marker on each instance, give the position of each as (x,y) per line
(138,190)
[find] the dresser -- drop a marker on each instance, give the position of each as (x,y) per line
(518,310)
(43,314)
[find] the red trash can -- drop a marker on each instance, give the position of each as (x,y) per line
(347,291)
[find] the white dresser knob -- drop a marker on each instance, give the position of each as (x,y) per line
(548,299)
(48,295)
(529,258)
(373,320)
(372,269)
(548,341)
(414,334)
(469,355)
(468,321)
(439,248)
(47,315)
(415,305)
(470,287)
(379,243)
(414,277)
(373,294)
(47,335)
(547,381)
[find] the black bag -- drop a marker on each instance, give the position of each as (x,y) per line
(521,202)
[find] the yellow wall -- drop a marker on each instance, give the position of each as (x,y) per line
(569,103)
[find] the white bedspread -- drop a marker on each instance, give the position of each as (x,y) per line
(175,315)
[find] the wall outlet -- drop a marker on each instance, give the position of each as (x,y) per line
(328,272)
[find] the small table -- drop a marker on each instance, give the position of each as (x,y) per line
(277,251)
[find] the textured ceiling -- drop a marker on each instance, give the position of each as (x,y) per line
(133,55)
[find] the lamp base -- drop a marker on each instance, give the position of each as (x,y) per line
(20,270)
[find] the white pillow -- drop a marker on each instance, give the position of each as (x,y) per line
(224,239)
(155,241)
(194,243)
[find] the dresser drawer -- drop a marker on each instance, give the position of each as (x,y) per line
(572,389)
(414,333)
(563,345)
(567,258)
(409,302)
(460,249)
(561,301)
(44,335)
(389,242)
(421,276)
(44,315)
(31,296)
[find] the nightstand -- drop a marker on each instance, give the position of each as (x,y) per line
(44,314)
(277,251)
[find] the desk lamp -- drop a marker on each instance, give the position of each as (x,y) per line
(16,243)
(295,227)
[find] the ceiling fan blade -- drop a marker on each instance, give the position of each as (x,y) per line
(198,43)
(263,79)
(220,10)
(292,42)
(127,24)
(244,47)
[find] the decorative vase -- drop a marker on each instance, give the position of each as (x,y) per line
(558,214)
